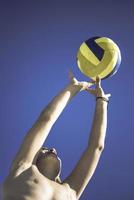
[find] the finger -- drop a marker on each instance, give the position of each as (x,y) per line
(90,84)
(71,75)
(72,78)
(91,91)
(98,82)
(108,95)
(93,81)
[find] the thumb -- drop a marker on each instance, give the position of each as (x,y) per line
(71,77)
(108,95)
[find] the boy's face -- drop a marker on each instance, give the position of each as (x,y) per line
(48,163)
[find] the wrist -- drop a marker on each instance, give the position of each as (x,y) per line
(73,89)
(102,98)
(75,86)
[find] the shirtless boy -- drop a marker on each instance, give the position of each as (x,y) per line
(35,172)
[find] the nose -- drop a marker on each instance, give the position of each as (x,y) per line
(53,150)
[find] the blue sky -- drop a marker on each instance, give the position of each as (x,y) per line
(38,45)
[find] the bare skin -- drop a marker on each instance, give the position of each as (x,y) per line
(35,171)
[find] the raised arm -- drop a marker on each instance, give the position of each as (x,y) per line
(82,173)
(36,136)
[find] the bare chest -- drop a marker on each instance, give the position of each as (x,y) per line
(31,185)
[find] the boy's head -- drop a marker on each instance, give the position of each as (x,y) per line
(49,164)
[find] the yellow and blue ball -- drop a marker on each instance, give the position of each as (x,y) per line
(99,56)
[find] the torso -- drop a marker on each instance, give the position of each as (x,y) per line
(32,185)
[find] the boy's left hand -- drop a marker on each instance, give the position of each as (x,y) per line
(83,84)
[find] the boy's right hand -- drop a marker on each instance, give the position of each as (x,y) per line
(98,91)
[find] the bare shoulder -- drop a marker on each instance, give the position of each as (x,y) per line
(20,168)
(23,172)
(29,180)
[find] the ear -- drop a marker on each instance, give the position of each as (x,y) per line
(58,180)
(36,156)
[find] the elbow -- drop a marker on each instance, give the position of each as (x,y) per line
(45,117)
(100,147)
(96,147)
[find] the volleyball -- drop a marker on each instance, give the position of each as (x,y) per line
(99,56)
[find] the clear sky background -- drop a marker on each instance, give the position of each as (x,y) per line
(38,46)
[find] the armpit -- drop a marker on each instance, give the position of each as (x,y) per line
(19,168)
(71,193)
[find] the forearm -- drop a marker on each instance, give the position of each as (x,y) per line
(36,136)
(99,126)
(59,102)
